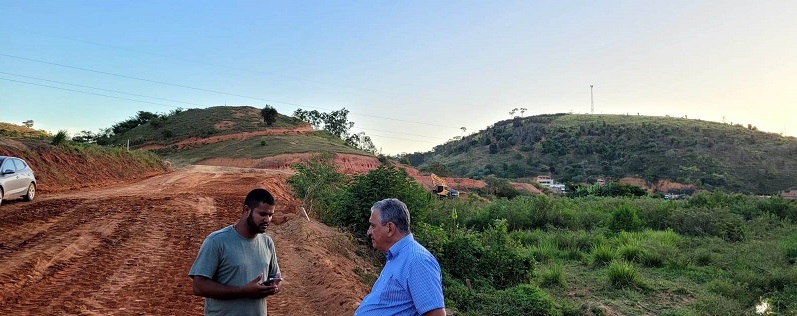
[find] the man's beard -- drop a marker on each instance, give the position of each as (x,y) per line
(253,228)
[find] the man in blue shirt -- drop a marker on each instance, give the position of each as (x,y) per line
(411,282)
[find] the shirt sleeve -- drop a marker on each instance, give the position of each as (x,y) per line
(426,285)
(273,266)
(207,261)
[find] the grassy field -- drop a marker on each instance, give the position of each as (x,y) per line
(717,254)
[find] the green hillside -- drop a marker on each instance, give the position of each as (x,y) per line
(188,136)
(13,130)
(201,123)
(261,146)
(581,148)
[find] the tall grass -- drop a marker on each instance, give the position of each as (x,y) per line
(622,274)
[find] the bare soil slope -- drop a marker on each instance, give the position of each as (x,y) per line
(58,169)
(126,249)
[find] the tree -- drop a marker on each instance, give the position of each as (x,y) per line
(362,142)
(28,123)
(85,137)
(522,110)
(463,131)
(337,124)
(269,115)
(512,113)
(141,118)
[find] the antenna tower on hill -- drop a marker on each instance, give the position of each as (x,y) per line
(591,101)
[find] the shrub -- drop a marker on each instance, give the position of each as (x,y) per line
(544,251)
(552,276)
(622,274)
(60,138)
(354,205)
(719,222)
(603,254)
(461,256)
(703,257)
(630,252)
(524,299)
(789,247)
(625,218)
(433,238)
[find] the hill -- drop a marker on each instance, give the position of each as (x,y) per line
(226,133)
(181,125)
(12,130)
(582,148)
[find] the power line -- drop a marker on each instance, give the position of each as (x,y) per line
(107,90)
(420,141)
(102,95)
(261,73)
(161,104)
(209,90)
(376,130)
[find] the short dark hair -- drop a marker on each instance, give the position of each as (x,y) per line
(257,197)
(393,210)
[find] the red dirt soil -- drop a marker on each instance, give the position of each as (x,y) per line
(126,249)
(77,170)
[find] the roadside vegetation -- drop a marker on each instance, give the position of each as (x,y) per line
(712,254)
(582,148)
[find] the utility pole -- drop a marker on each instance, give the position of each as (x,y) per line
(591,101)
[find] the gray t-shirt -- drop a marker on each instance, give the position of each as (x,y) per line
(230,259)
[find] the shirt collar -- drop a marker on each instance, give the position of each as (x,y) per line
(398,246)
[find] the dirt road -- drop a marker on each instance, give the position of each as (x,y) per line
(126,249)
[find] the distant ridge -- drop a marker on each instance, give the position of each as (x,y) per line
(583,148)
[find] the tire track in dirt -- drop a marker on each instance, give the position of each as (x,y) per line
(126,250)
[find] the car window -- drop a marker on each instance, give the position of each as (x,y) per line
(19,164)
(7,164)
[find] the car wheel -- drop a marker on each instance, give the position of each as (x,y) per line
(1,195)
(31,193)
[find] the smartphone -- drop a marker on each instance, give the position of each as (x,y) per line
(270,281)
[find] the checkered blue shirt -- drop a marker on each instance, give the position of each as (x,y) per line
(410,284)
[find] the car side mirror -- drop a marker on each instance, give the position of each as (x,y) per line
(8,171)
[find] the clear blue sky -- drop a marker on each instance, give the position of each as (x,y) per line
(411,72)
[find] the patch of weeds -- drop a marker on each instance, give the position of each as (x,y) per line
(623,274)
(602,255)
(553,276)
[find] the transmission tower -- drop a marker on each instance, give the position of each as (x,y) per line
(591,101)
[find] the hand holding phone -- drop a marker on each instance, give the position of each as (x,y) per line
(270,281)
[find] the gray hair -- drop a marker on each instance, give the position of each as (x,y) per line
(393,210)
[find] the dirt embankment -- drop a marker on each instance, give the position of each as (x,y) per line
(466,184)
(58,169)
